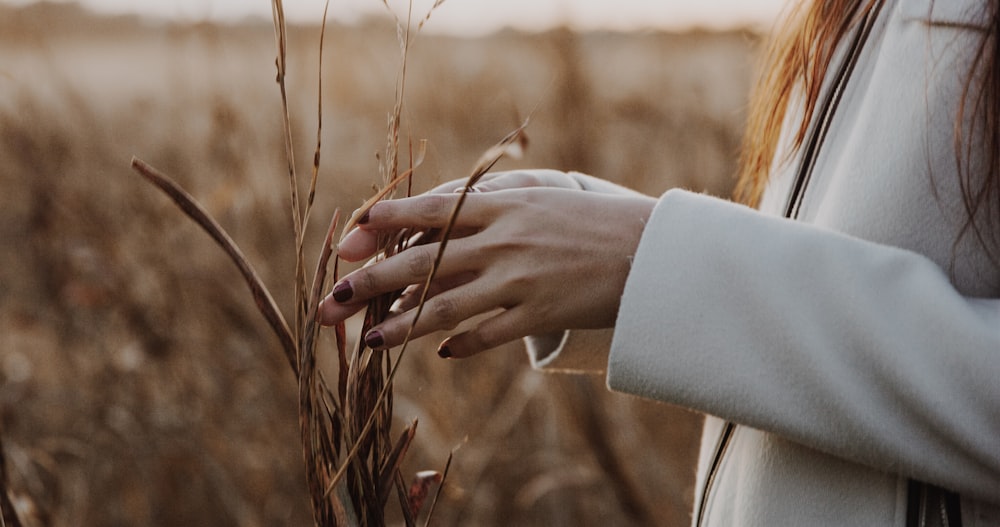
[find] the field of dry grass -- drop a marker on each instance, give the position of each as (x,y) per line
(138,384)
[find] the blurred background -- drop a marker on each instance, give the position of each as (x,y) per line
(138,383)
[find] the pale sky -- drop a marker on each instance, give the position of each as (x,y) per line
(471,17)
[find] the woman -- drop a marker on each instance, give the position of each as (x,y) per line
(845,337)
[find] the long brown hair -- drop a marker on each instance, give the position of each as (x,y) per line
(797,57)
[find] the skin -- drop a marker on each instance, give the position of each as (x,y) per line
(530,249)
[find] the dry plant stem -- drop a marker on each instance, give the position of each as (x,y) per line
(310,325)
(360,372)
(490,158)
(407,509)
(321,419)
(390,471)
(327,421)
(319,129)
(368,380)
(392,143)
(262,297)
(437,494)
(280,35)
(318,425)
(484,165)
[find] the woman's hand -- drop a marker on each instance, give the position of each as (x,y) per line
(538,259)
(360,243)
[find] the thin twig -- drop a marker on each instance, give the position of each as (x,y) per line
(310,330)
(319,127)
(280,35)
(437,494)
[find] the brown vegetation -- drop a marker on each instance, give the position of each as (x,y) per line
(138,384)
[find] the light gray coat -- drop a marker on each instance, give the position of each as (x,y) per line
(857,347)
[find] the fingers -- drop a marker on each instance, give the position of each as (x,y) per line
(426,212)
(332,311)
(490,333)
(409,267)
(412,295)
(443,311)
(432,210)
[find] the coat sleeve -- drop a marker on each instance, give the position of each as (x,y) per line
(856,349)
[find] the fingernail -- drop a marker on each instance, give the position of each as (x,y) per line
(374,339)
(444,351)
(343,292)
(364,218)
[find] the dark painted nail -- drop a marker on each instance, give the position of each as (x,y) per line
(364,218)
(444,351)
(374,339)
(343,292)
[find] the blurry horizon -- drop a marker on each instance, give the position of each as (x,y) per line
(469,17)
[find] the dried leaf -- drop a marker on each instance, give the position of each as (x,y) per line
(392,462)
(261,295)
(420,488)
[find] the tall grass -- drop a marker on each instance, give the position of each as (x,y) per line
(352,464)
(359,414)
(137,384)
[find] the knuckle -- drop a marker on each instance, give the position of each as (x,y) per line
(432,207)
(483,338)
(444,311)
(478,339)
(366,281)
(418,262)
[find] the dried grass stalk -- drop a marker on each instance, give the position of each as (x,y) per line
(512,144)
(352,487)
(261,295)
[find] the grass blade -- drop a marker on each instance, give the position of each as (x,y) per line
(261,295)
(319,126)
(310,329)
(393,461)
(440,489)
(281,41)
